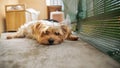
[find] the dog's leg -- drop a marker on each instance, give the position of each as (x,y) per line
(72,37)
(18,34)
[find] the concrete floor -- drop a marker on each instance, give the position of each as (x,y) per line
(27,53)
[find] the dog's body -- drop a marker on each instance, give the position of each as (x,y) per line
(45,32)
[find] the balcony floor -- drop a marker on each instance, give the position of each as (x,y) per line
(27,53)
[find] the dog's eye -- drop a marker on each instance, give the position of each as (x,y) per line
(46,33)
(57,33)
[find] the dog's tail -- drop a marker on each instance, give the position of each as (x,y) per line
(67,21)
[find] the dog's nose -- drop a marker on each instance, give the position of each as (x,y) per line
(51,41)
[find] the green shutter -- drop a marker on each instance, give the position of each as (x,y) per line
(101,27)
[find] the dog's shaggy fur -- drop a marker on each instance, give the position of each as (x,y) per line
(45,32)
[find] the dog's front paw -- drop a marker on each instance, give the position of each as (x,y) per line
(73,38)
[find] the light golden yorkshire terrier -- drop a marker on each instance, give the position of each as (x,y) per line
(47,32)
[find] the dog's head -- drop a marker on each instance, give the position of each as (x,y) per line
(50,35)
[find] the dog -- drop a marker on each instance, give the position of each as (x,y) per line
(47,32)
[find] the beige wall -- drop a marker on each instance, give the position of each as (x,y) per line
(2,11)
(1,23)
(39,5)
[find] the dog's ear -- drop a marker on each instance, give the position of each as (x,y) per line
(64,28)
(37,26)
(66,31)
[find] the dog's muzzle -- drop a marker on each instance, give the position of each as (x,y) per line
(51,41)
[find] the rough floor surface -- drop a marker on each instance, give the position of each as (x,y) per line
(27,53)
